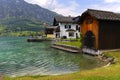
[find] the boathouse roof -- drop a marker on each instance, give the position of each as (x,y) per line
(103,15)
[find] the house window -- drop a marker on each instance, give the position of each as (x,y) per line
(71,34)
(69,26)
(65,26)
(77,28)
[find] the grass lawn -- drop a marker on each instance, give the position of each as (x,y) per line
(73,43)
(111,72)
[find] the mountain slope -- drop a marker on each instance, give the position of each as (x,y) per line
(18,15)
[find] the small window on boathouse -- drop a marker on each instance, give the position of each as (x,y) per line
(89,20)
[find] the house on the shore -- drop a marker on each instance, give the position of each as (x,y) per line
(100,29)
(66,27)
(50,31)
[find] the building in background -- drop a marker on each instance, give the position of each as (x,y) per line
(50,31)
(66,27)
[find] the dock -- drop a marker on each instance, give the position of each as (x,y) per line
(66,48)
(38,40)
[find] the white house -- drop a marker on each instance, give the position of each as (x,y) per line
(66,27)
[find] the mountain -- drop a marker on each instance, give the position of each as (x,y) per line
(18,15)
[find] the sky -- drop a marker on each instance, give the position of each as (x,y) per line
(77,7)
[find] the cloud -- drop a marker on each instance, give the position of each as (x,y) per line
(112,1)
(40,2)
(70,9)
(66,9)
(107,7)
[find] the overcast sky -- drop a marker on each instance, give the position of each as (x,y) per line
(76,7)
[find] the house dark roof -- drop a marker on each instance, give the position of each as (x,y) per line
(103,15)
(64,19)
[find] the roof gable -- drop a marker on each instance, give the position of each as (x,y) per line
(64,19)
(103,15)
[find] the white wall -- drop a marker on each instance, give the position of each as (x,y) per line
(63,30)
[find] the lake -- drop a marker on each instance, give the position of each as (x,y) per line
(20,58)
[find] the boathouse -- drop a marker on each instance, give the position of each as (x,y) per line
(100,29)
(68,28)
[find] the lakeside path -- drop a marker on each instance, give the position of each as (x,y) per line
(111,72)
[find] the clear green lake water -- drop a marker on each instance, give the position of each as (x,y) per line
(19,58)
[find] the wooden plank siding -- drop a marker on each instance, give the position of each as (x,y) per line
(109,35)
(85,27)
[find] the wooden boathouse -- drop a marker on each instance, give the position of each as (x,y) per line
(100,30)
